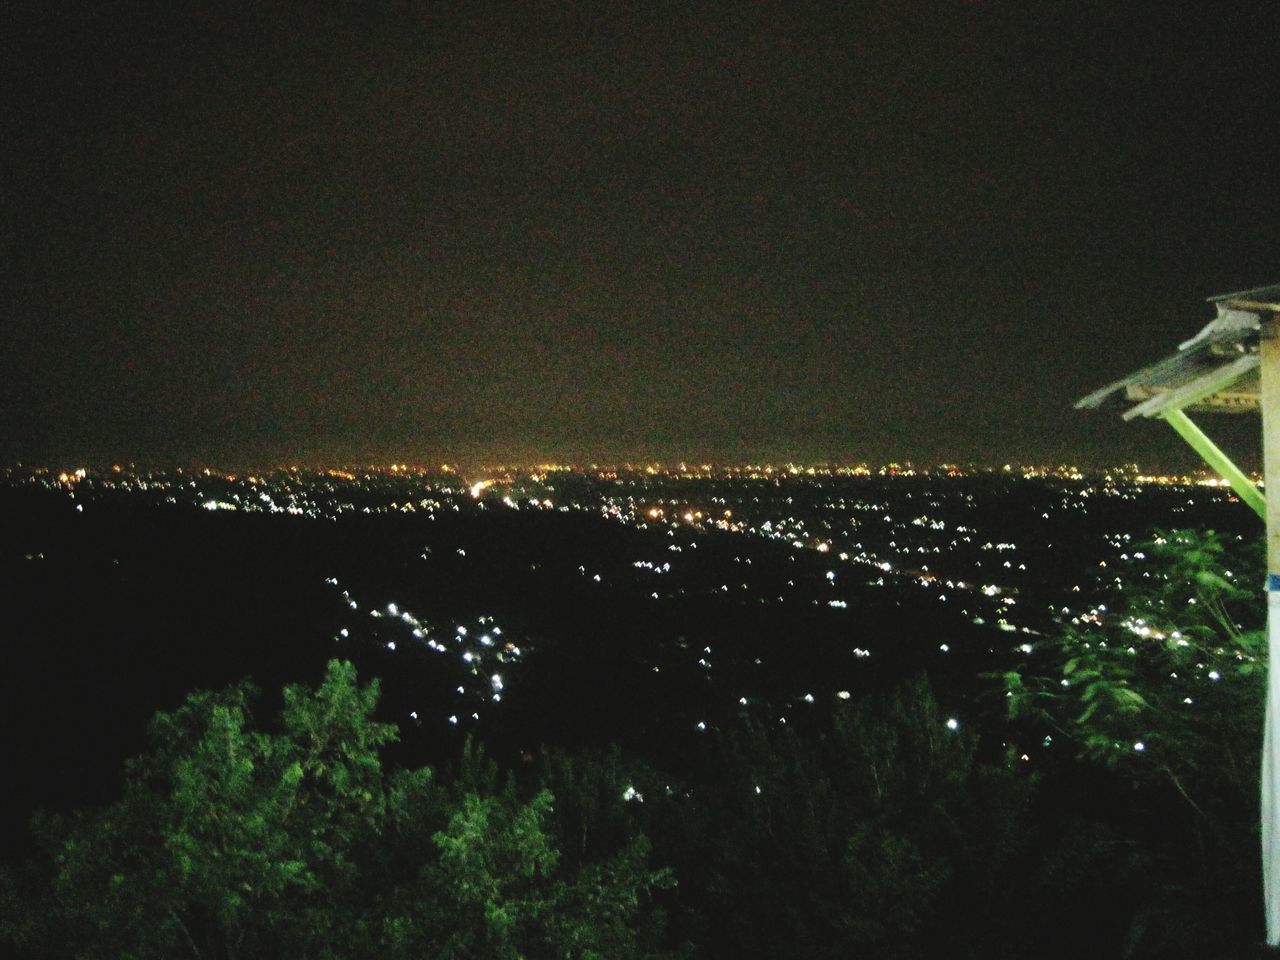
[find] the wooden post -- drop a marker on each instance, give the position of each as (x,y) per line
(1269,351)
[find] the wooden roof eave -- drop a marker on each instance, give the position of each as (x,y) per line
(1194,391)
(1156,371)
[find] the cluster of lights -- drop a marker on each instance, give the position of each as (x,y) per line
(485,654)
(862,535)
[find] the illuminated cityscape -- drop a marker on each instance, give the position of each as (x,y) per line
(661,609)
(985,559)
(636,481)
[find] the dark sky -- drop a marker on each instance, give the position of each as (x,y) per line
(893,230)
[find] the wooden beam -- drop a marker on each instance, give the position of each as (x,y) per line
(1195,390)
(1253,306)
(1230,400)
(1218,461)
(1269,354)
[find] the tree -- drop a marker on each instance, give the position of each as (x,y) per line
(1161,672)
(494,883)
(1152,692)
(233,841)
(871,832)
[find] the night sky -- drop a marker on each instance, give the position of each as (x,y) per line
(412,232)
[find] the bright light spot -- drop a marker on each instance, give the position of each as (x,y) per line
(953,724)
(945,648)
(453,719)
(479,487)
(1139,746)
(1214,675)
(842,694)
(631,793)
(701,725)
(391,644)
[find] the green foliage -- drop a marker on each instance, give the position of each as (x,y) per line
(598,799)
(866,837)
(873,830)
(1162,673)
(1152,694)
(230,841)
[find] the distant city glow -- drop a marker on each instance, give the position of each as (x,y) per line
(816,540)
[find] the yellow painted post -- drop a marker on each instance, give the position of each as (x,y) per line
(1218,461)
(1269,351)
